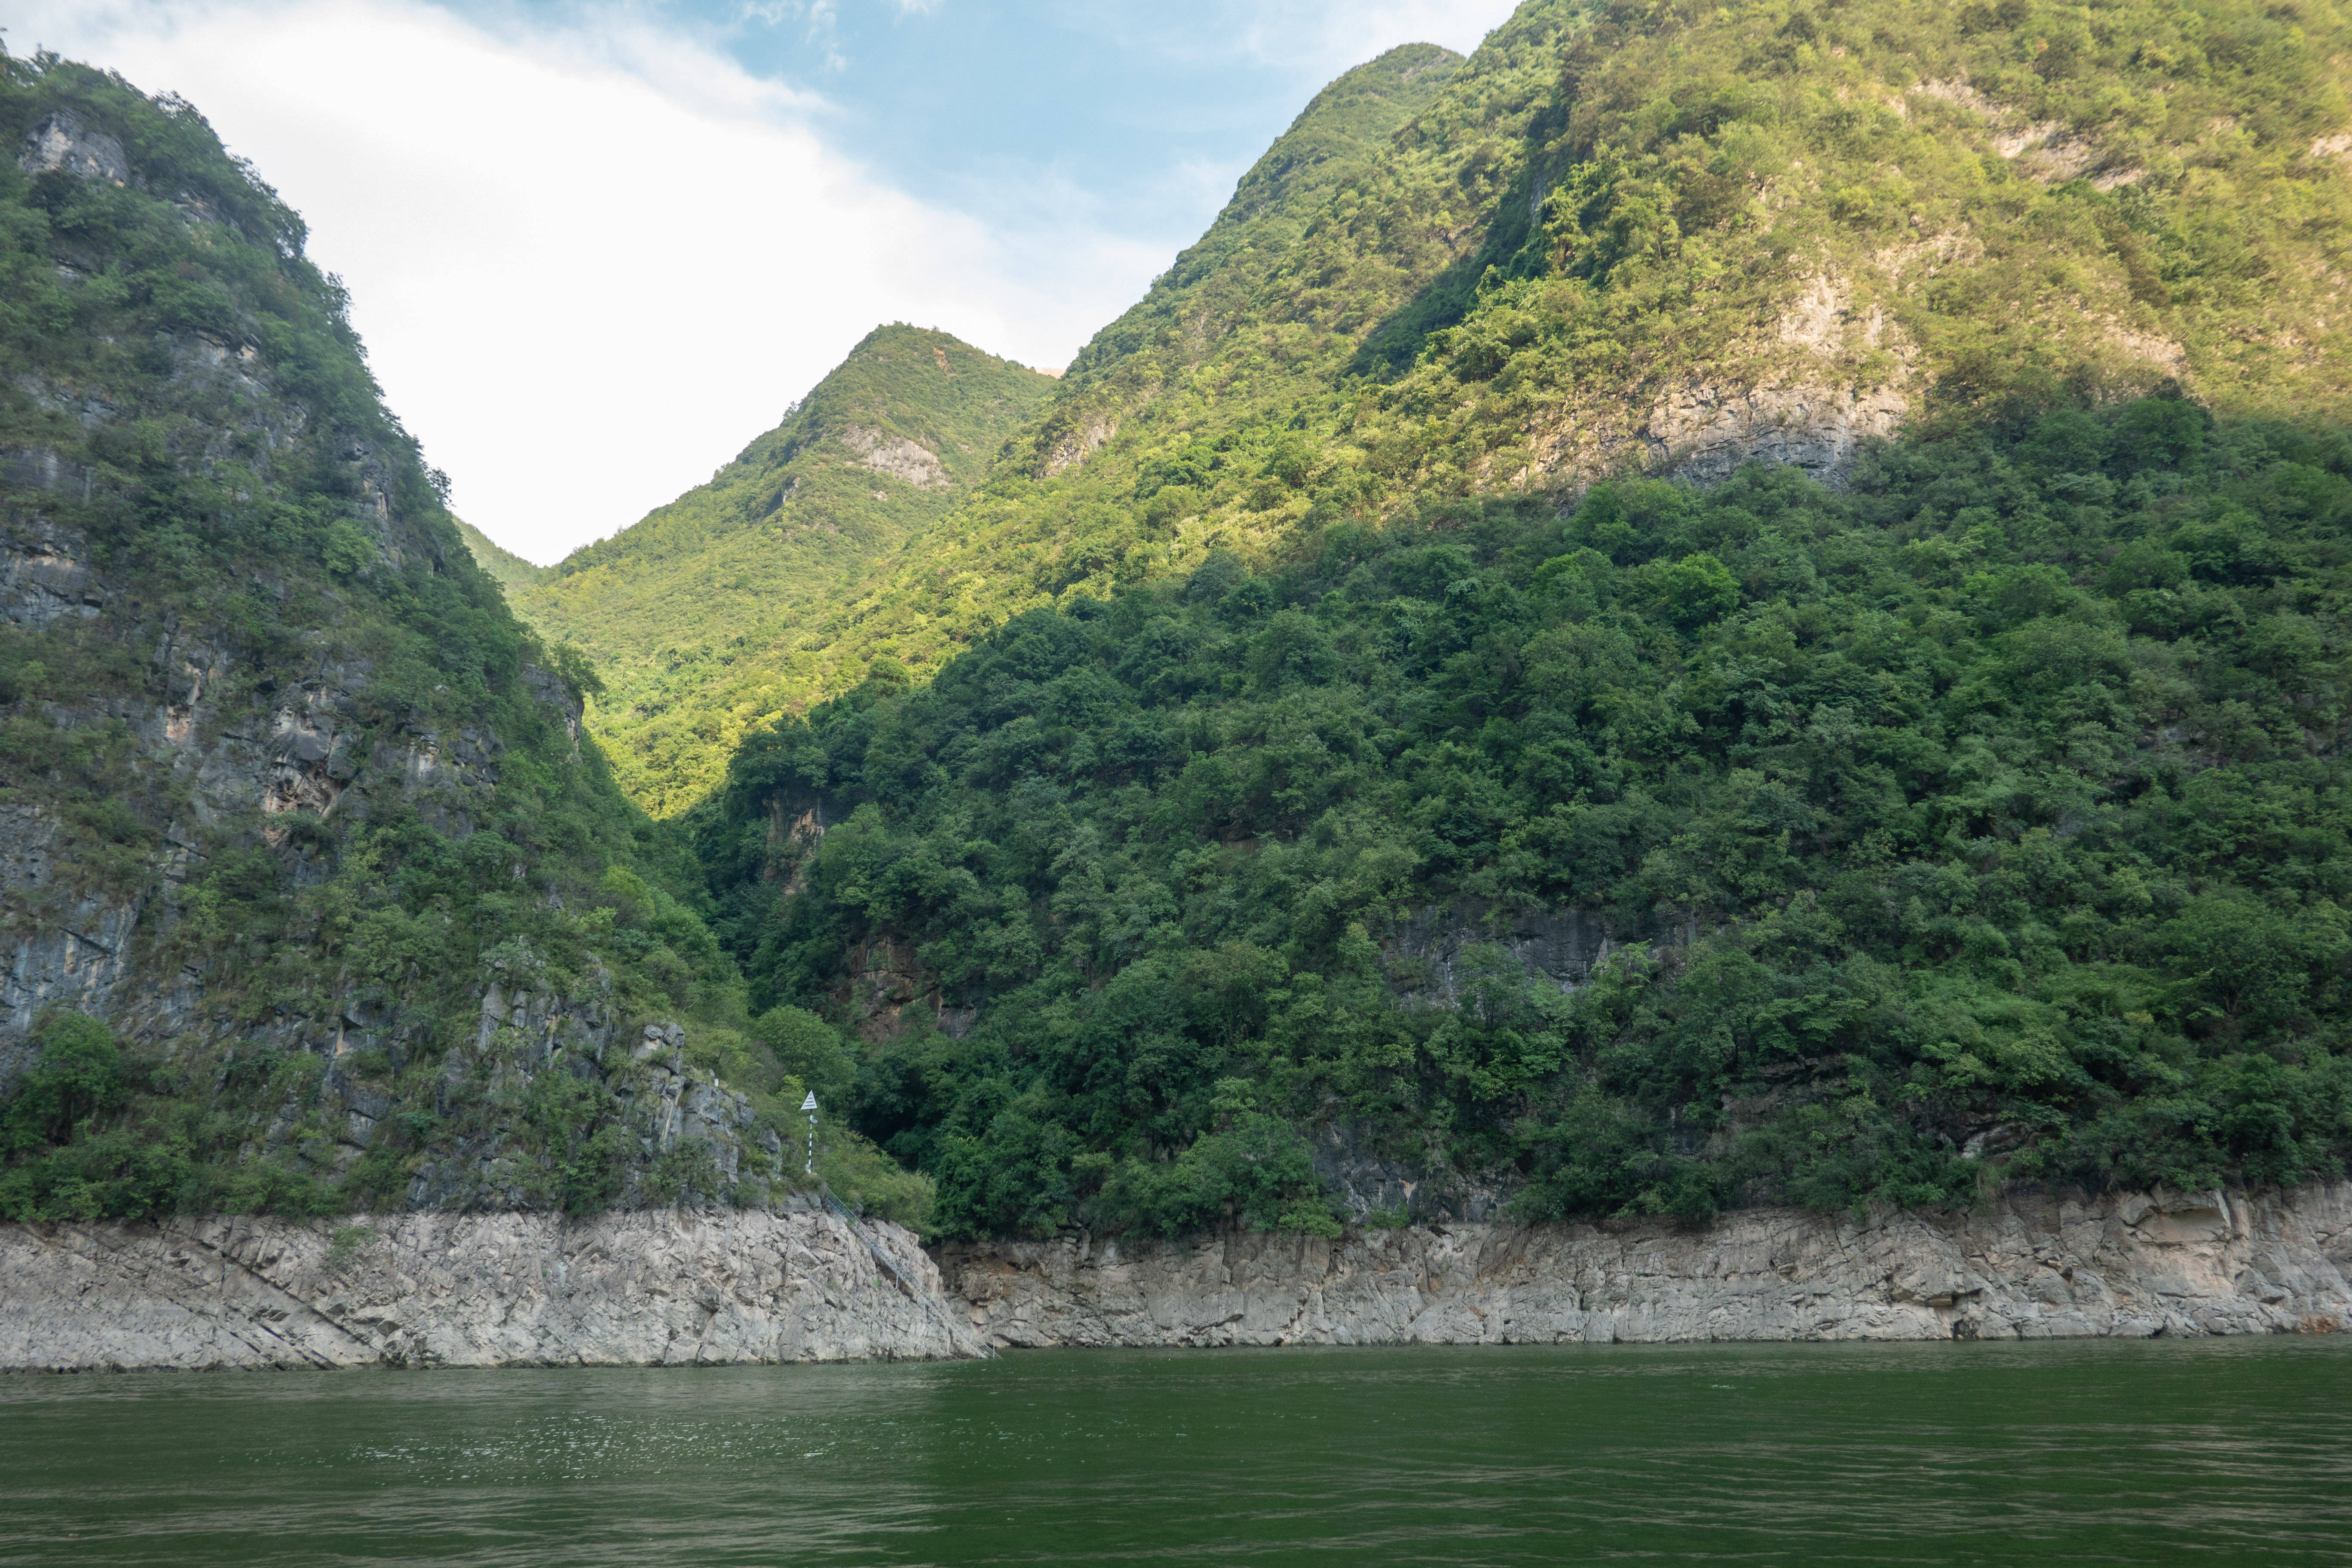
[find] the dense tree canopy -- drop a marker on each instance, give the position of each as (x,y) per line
(1983,818)
(1986,820)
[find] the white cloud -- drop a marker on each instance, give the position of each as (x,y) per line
(590,262)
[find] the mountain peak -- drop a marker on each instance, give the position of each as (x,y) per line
(1333,140)
(709,599)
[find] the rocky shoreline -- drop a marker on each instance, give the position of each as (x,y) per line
(2030,1266)
(653,1288)
(683,1288)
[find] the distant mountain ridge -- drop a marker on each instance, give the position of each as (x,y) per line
(696,616)
(721,610)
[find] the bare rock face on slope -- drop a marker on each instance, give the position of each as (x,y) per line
(676,1288)
(230,746)
(62,140)
(226,729)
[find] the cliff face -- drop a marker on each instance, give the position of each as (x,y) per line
(444,1290)
(183,674)
(289,799)
(2025,1268)
(222,757)
(193,739)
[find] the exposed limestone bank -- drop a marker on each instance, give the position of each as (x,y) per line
(660,1287)
(2028,1267)
(671,1288)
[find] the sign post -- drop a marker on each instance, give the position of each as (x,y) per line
(809,1105)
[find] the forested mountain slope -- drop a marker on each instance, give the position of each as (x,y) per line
(703,618)
(1663,238)
(926,595)
(1987,820)
(1360,788)
(1365,746)
(1211,290)
(315,895)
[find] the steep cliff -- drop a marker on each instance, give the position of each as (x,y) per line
(316,894)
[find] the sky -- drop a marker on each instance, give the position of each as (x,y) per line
(595,247)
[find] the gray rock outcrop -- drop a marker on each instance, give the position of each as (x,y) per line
(894,457)
(667,1288)
(1426,954)
(680,1287)
(1703,433)
(62,141)
(2026,1268)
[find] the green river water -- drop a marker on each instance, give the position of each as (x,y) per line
(2155,1451)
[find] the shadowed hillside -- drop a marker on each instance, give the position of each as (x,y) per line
(1487,714)
(512,572)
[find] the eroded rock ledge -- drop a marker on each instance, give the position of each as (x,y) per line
(482,1289)
(671,1288)
(2033,1268)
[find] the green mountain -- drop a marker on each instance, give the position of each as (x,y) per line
(1197,304)
(726,608)
(1491,711)
(702,618)
(1715,605)
(1985,821)
(1662,242)
(316,896)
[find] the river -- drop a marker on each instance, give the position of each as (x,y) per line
(2145,1451)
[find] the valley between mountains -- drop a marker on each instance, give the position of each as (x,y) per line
(1706,648)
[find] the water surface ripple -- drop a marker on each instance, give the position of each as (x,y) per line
(2160,1451)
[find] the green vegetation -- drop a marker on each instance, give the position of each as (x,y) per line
(726,608)
(1214,288)
(702,619)
(1987,821)
(1598,235)
(1061,770)
(1926,828)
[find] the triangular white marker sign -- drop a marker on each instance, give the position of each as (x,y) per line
(810,1103)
